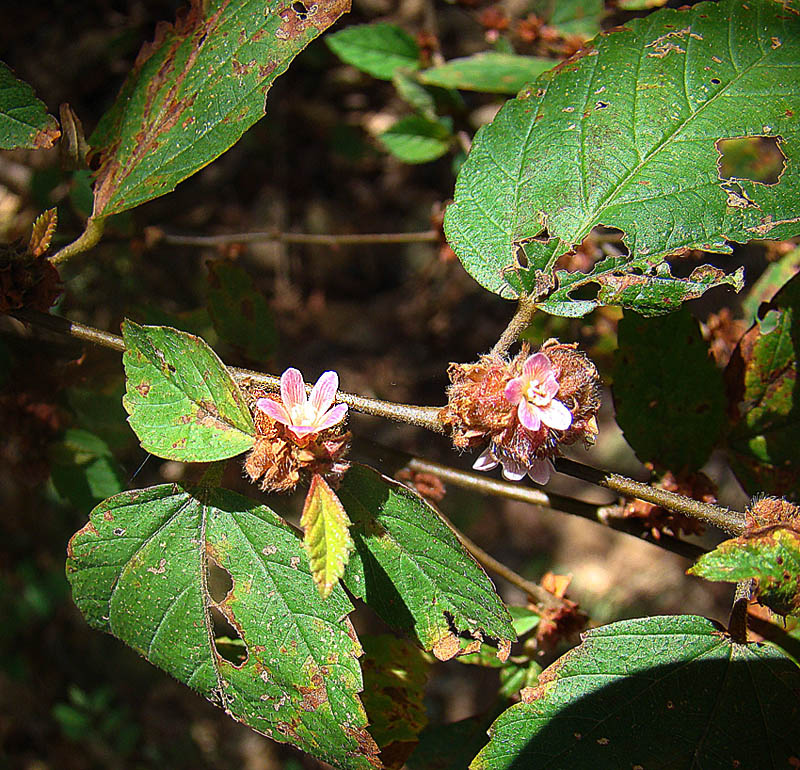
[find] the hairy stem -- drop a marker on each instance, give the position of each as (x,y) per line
(276,236)
(88,238)
(525,310)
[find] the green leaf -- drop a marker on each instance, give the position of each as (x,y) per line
(625,136)
(101,412)
(377,49)
(240,313)
(490,72)
(140,570)
(395,672)
(662,369)
(84,470)
(774,277)
(327,535)
(571,17)
(414,94)
(762,378)
(770,555)
(194,91)
(412,570)
(659,692)
(415,139)
(24,122)
(182,401)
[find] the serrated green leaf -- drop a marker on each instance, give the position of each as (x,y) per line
(412,570)
(489,72)
(662,370)
(770,555)
(625,136)
(415,139)
(395,673)
(377,49)
(762,381)
(661,692)
(139,570)
(571,17)
(240,313)
(327,535)
(194,91)
(24,122)
(182,401)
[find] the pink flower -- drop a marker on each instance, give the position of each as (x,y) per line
(539,471)
(533,392)
(302,415)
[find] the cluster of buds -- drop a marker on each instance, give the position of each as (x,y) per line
(298,433)
(525,408)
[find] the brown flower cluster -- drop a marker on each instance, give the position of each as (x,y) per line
(279,458)
(479,408)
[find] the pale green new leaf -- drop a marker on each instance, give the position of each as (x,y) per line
(415,139)
(140,570)
(656,693)
(195,90)
(624,136)
(182,402)
(327,534)
(377,49)
(489,72)
(412,570)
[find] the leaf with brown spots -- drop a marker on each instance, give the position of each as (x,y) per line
(182,401)
(142,569)
(195,90)
(654,693)
(24,122)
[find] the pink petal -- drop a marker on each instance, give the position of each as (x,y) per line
(537,366)
(513,391)
(513,471)
(550,385)
(275,410)
(555,415)
(540,471)
(301,431)
(293,391)
(324,392)
(485,461)
(332,417)
(528,415)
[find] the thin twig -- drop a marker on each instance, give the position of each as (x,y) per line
(522,317)
(725,519)
(276,236)
(88,238)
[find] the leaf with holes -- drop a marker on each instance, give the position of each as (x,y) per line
(654,692)
(769,555)
(239,311)
(24,122)
(182,402)
(490,72)
(377,49)
(140,570)
(762,379)
(625,135)
(662,368)
(327,535)
(195,90)
(412,570)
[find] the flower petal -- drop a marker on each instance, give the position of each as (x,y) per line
(555,415)
(301,431)
(513,390)
(275,410)
(550,385)
(529,415)
(540,471)
(324,392)
(331,417)
(537,366)
(293,391)
(513,471)
(485,461)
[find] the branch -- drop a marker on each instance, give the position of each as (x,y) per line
(88,238)
(525,310)
(156,235)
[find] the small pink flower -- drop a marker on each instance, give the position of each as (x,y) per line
(302,415)
(533,392)
(539,471)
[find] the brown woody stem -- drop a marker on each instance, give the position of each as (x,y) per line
(526,307)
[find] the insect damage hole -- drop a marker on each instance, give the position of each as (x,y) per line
(218,580)
(300,9)
(227,640)
(756,158)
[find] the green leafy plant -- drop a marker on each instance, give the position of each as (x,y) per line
(661,142)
